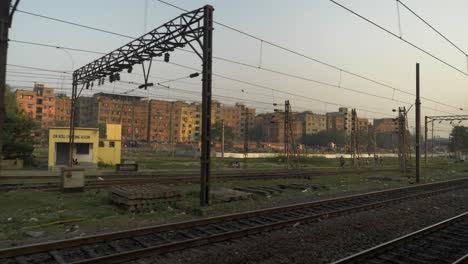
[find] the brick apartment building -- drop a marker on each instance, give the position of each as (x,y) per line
(384,125)
(62,110)
(271,127)
(190,123)
(104,108)
(177,121)
(44,106)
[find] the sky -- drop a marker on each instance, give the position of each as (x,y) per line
(318,29)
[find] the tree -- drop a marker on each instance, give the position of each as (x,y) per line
(18,130)
(458,138)
(216,132)
(323,138)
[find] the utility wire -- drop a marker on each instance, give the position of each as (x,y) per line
(74,24)
(254,37)
(264,69)
(57,47)
(32,74)
(402,39)
(433,28)
(270,89)
(38,69)
(321,62)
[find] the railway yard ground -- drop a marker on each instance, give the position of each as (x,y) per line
(31,216)
(328,240)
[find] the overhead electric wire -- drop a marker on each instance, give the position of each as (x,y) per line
(273,89)
(74,24)
(314,59)
(257,38)
(32,74)
(398,37)
(256,85)
(433,28)
(265,69)
(35,68)
(57,47)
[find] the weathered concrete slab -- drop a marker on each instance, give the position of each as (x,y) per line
(144,196)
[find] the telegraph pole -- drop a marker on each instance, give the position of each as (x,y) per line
(418,126)
(426,143)
(205,158)
(5,23)
(246,133)
(286,131)
(222,139)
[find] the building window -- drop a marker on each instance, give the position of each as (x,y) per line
(39,101)
(82,148)
(111,144)
(101,144)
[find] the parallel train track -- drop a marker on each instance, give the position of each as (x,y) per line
(93,181)
(133,244)
(443,243)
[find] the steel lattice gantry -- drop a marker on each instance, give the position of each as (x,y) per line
(194,28)
(432,119)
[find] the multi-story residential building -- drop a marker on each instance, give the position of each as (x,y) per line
(384,125)
(216,112)
(39,104)
(246,123)
(312,122)
(62,110)
(26,101)
(336,120)
(363,124)
(190,123)
(231,116)
(45,105)
(164,120)
(129,111)
(271,127)
(86,108)
(240,118)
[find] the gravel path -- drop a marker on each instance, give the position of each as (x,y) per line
(328,240)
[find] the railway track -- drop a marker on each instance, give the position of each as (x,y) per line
(93,182)
(443,243)
(133,244)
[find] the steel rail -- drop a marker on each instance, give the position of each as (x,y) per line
(382,252)
(125,245)
(462,260)
(126,180)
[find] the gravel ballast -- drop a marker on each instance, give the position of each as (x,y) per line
(330,239)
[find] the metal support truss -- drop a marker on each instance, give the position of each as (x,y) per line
(194,28)
(430,120)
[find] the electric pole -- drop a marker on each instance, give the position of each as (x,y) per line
(402,139)
(246,132)
(418,126)
(289,141)
(6,18)
(286,131)
(222,138)
(426,143)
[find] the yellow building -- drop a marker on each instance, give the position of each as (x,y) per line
(190,123)
(89,149)
(110,147)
